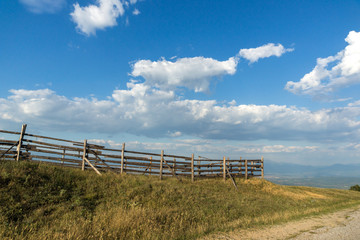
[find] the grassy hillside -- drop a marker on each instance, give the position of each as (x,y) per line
(39,201)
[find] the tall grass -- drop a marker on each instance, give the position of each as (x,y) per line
(39,201)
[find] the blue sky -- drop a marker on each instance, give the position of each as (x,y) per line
(278,79)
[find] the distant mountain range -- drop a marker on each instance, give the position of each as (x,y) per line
(296,170)
(340,176)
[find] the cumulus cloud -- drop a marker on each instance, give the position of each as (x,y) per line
(142,110)
(93,17)
(43,6)
(193,73)
(265,51)
(333,72)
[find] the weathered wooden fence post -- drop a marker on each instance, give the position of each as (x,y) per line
(239,168)
(174,166)
(199,166)
(161,164)
(63,156)
(84,156)
(224,168)
(192,168)
(18,150)
(246,169)
(229,166)
(262,167)
(150,165)
(122,158)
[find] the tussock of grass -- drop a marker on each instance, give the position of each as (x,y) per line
(39,201)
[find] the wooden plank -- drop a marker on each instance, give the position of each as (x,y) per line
(155,172)
(8,142)
(53,145)
(219,170)
(51,138)
(8,150)
(92,166)
(90,145)
(143,153)
(175,156)
(23,129)
(232,179)
(172,170)
(67,154)
(10,132)
(57,159)
(98,158)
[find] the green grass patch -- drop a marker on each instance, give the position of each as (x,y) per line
(39,201)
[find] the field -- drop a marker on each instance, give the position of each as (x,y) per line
(38,201)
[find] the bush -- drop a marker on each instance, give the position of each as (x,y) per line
(355,188)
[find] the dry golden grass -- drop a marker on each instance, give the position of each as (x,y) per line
(46,202)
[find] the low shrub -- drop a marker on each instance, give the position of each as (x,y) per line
(355,188)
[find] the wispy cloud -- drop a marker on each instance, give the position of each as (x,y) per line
(331,73)
(44,6)
(265,51)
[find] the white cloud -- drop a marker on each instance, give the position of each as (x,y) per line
(93,17)
(136,11)
(142,110)
(43,6)
(265,51)
(193,73)
(332,73)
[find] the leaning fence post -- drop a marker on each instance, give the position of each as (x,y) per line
(192,168)
(246,169)
(262,167)
(23,129)
(122,158)
(224,168)
(161,163)
(84,156)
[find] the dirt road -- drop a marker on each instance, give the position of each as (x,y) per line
(342,225)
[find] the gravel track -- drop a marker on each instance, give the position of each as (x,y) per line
(348,229)
(341,225)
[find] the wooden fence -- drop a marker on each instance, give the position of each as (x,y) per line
(24,146)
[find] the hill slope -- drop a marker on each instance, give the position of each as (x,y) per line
(39,201)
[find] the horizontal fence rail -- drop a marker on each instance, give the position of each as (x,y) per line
(99,158)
